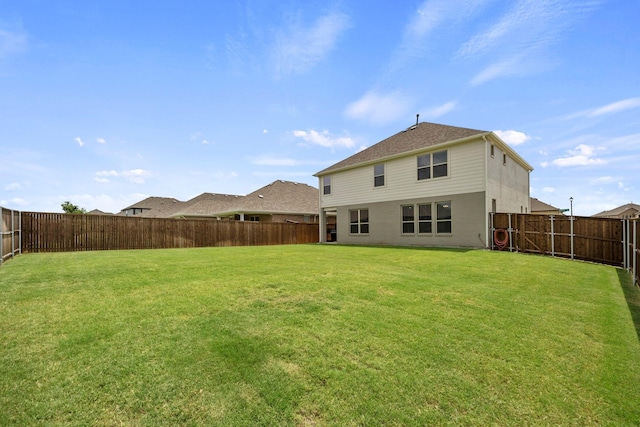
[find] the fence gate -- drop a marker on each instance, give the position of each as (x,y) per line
(10,233)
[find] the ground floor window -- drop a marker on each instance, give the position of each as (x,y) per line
(425,219)
(408,219)
(444,218)
(359,221)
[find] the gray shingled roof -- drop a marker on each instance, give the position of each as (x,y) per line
(207,204)
(282,197)
(277,197)
(159,207)
(422,135)
(628,209)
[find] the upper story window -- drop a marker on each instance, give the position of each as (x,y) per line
(378,175)
(433,165)
(326,184)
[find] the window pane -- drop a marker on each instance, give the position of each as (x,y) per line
(364,228)
(326,185)
(424,227)
(424,160)
(354,228)
(378,181)
(444,227)
(378,169)
(354,216)
(407,227)
(444,210)
(407,213)
(364,215)
(439,157)
(424,212)
(424,173)
(440,170)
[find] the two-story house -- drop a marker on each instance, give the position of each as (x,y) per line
(428,185)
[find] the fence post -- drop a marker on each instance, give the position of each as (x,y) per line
(635,249)
(1,235)
(625,246)
(492,228)
(553,247)
(510,235)
(571,236)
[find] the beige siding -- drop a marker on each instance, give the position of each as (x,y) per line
(466,175)
(507,183)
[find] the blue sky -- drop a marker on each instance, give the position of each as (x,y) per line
(104,103)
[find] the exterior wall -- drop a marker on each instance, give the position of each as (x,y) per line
(507,184)
(466,174)
(469,223)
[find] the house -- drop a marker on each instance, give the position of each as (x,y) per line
(428,185)
(152,207)
(628,211)
(542,208)
(280,201)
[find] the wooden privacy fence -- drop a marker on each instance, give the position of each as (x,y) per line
(603,240)
(9,233)
(53,232)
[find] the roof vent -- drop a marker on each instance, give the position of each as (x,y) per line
(261,196)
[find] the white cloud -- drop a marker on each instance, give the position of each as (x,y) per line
(521,36)
(274,161)
(12,42)
(616,107)
(583,155)
(79,141)
(14,186)
(136,176)
(324,139)
(512,137)
(380,109)
(101,140)
(548,190)
(441,110)
(16,201)
(603,180)
(298,48)
(282,161)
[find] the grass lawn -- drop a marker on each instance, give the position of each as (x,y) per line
(316,335)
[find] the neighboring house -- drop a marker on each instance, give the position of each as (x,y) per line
(628,211)
(152,207)
(98,212)
(541,208)
(428,185)
(280,201)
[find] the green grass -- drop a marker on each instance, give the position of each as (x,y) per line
(316,335)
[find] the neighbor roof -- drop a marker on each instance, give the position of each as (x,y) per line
(538,206)
(419,136)
(157,207)
(206,204)
(628,209)
(283,197)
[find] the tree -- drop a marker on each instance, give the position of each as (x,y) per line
(70,208)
